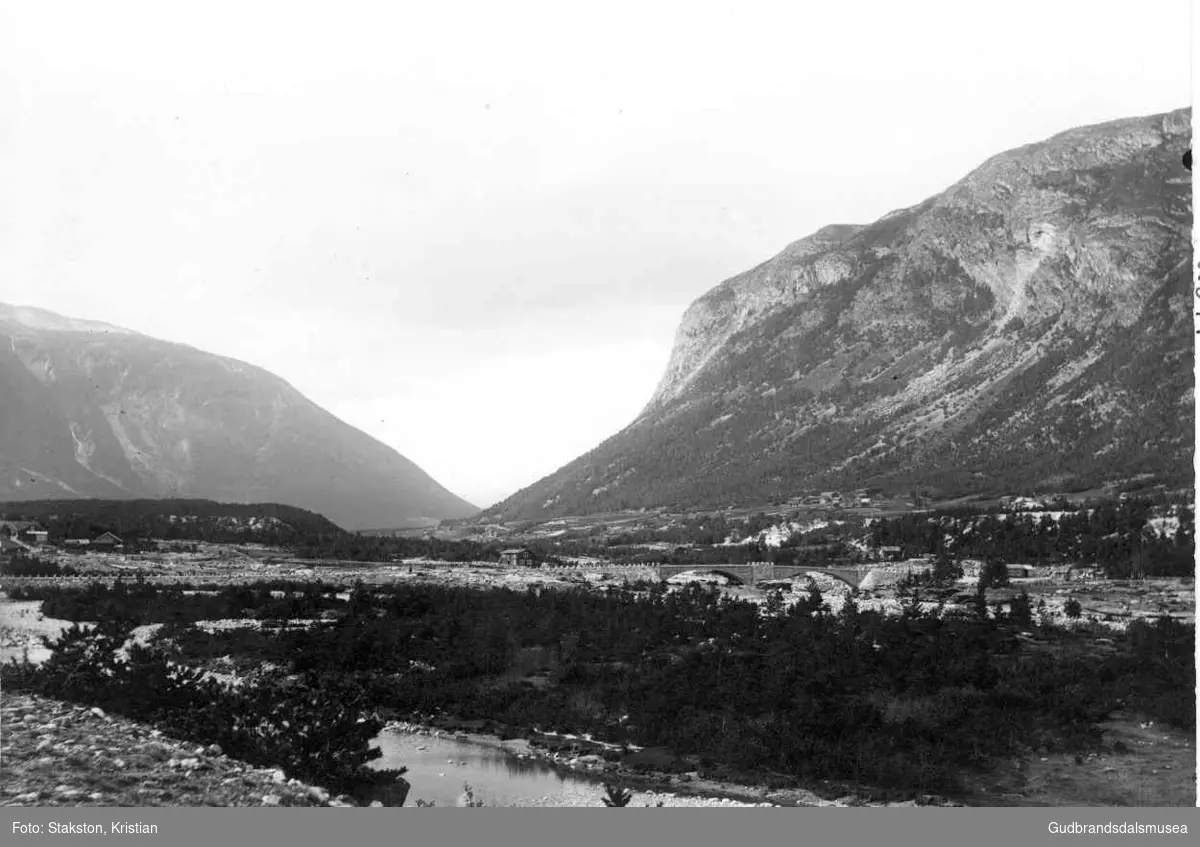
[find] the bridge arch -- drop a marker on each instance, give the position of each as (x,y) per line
(853,583)
(701,571)
(851,577)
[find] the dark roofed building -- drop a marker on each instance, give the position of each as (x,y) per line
(517,557)
(107,541)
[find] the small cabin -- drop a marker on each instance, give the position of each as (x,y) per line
(517,557)
(106,542)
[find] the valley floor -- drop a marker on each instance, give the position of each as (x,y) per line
(60,754)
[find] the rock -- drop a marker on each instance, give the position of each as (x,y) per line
(118,763)
(375,804)
(96,796)
(42,747)
(28,797)
(319,794)
(214,749)
(97,712)
(278,776)
(271,799)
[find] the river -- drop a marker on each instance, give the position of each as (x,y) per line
(500,774)
(438,767)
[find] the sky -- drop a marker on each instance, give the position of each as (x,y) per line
(470,229)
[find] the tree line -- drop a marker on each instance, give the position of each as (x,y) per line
(1118,537)
(192,520)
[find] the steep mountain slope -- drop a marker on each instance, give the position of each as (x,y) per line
(1028,328)
(90,410)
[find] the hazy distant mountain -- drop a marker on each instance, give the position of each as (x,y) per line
(1030,327)
(92,410)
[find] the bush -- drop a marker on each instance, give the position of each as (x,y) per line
(616,795)
(31,566)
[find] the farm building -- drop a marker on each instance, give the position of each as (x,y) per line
(29,532)
(107,541)
(517,557)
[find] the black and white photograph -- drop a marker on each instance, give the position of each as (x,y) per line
(630,404)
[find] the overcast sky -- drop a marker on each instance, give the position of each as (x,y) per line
(470,228)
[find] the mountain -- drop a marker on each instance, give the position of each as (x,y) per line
(92,410)
(1027,329)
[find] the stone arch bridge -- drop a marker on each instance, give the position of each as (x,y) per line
(756,572)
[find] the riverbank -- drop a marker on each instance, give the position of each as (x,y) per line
(1136,764)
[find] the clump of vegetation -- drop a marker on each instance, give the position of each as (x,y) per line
(616,795)
(32,566)
(317,729)
(468,799)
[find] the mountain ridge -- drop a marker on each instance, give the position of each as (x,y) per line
(96,411)
(892,353)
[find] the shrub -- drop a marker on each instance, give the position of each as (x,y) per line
(616,795)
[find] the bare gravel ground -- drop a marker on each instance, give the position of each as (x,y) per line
(1143,764)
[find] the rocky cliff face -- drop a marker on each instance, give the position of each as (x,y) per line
(91,410)
(1028,328)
